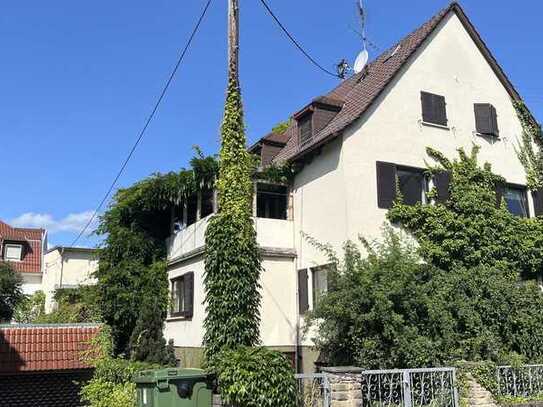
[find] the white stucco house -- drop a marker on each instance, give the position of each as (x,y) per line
(67,267)
(439,87)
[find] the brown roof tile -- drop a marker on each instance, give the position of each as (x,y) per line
(32,240)
(38,348)
(362,89)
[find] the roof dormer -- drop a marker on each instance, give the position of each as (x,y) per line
(315,116)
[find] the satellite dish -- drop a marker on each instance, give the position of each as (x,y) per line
(361,61)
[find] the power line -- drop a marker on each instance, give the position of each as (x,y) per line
(147,122)
(295,42)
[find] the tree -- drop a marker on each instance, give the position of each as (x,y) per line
(11,293)
(390,310)
(471,228)
(132,256)
(232,256)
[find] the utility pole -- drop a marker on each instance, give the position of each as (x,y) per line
(233,40)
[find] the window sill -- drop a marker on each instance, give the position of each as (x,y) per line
(439,126)
(487,136)
(178,318)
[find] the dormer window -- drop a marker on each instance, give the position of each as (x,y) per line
(13,252)
(305,128)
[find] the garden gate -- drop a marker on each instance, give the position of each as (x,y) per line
(434,387)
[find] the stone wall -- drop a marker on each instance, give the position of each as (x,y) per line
(345,390)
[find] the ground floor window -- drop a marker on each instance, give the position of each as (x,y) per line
(320,282)
(271,201)
(182,295)
(413,185)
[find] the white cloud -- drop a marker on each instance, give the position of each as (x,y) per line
(74,222)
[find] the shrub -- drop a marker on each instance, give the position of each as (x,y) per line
(256,377)
(390,310)
(101,393)
(11,293)
(30,309)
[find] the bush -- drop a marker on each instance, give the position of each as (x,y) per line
(30,309)
(256,377)
(11,293)
(101,393)
(390,310)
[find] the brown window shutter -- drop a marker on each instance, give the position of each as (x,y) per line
(189,294)
(494,121)
(434,108)
(442,181)
(538,201)
(303,298)
(386,184)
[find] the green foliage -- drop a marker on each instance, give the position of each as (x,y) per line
(256,377)
(30,309)
(390,310)
(111,385)
(132,256)
(280,128)
(470,230)
(529,150)
(11,293)
(232,257)
(147,343)
(277,173)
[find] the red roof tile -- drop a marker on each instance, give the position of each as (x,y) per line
(33,241)
(362,89)
(38,348)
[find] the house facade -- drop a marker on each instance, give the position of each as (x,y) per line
(67,267)
(23,249)
(439,87)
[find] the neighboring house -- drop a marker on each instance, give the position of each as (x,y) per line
(67,267)
(24,249)
(439,87)
(41,365)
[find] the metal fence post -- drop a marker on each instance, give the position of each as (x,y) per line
(407,388)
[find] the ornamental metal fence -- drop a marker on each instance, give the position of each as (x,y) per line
(525,380)
(313,390)
(433,387)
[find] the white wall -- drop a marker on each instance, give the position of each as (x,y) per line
(278,327)
(335,197)
(32,282)
(72,269)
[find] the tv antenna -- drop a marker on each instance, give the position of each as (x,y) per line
(363,56)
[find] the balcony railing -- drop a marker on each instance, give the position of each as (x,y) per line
(271,233)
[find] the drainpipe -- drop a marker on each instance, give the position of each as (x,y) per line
(61,251)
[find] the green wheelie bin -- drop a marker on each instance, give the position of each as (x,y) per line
(174,388)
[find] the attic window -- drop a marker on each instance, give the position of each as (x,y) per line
(13,252)
(305,128)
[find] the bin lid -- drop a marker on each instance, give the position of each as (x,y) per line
(153,376)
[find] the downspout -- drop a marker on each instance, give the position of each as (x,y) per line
(61,251)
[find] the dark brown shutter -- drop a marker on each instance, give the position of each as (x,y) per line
(486,119)
(538,201)
(434,108)
(442,181)
(189,294)
(386,184)
(303,298)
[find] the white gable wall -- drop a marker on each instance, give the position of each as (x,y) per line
(342,203)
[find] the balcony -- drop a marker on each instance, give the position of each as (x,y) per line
(271,234)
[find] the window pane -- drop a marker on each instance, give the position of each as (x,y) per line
(271,201)
(412,186)
(320,283)
(207,203)
(178,302)
(192,208)
(516,201)
(13,252)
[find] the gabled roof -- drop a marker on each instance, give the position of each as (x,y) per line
(360,91)
(33,245)
(28,348)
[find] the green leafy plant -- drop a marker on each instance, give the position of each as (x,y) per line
(391,310)
(11,293)
(470,229)
(256,377)
(30,309)
(529,149)
(232,256)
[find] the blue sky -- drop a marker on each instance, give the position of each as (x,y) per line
(78,80)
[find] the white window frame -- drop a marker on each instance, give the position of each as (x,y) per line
(13,245)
